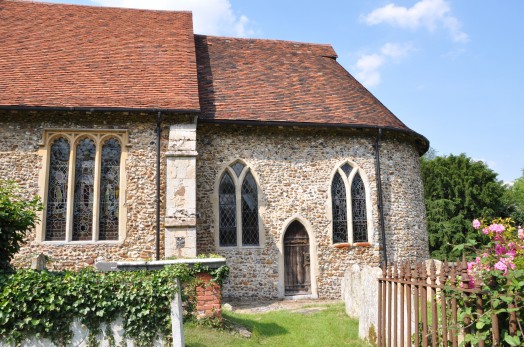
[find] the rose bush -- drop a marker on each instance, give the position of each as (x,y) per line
(498,271)
(503,253)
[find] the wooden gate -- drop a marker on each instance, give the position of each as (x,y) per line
(297,260)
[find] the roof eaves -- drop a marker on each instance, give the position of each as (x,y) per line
(96,109)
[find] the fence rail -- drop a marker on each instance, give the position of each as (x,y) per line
(419,307)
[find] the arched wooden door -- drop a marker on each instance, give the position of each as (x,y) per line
(297,260)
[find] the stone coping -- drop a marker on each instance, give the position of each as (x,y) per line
(212,263)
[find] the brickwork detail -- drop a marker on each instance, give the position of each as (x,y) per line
(209,297)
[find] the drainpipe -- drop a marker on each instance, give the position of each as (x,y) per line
(379,191)
(158,138)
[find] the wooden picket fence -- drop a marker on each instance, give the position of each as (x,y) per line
(415,310)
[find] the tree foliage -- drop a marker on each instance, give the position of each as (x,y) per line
(457,190)
(17,216)
(514,200)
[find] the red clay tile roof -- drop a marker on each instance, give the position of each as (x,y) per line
(281,81)
(55,55)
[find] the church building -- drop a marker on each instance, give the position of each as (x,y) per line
(146,141)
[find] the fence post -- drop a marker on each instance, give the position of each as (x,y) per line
(177,324)
(424,304)
(380,333)
(389,305)
(416,304)
(434,314)
(402,306)
(443,302)
(395,304)
(480,309)
(408,298)
(464,279)
(454,332)
(384,304)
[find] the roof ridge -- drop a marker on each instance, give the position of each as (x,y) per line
(94,6)
(267,40)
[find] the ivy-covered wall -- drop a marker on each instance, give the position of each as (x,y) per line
(63,306)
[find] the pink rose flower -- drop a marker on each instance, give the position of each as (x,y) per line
(476,224)
(497,228)
(501,266)
(500,250)
(521,233)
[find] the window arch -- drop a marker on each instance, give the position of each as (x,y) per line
(238,221)
(56,214)
(84,178)
(349,206)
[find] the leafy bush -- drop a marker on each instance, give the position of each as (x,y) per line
(17,216)
(498,270)
(44,303)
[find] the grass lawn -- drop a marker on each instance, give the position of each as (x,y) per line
(323,328)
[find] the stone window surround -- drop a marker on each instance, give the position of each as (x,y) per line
(99,136)
(238,187)
(369,208)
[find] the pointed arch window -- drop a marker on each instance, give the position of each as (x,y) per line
(238,207)
(84,176)
(56,215)
(349,206)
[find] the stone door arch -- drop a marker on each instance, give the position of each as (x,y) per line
(297,260)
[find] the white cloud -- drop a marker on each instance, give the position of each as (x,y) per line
(430,14)
(368,65)
(211,17)
(367,69)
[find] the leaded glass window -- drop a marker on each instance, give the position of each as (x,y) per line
(84,190)
(358,208)
(84,201)
(249,211)
(227,212)
(238,207)
(238,167)
(348,204)
(56,214)
(109,190)
(340,224)
(347,169)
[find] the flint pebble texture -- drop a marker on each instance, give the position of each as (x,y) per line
(294,169)
(20,139)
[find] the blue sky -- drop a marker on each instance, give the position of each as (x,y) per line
(450,70)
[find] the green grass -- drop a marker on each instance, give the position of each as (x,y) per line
(325,328)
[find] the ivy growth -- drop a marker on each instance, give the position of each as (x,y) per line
(43,304)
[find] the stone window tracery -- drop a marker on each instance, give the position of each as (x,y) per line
(84,176)
(238,207)
(348,206)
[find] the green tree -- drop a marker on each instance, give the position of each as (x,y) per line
(17,216)
(457,190)
(514,200)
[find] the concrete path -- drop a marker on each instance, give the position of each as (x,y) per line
(246,305)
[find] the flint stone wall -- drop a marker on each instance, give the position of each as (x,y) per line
(20,138)
(294,168)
